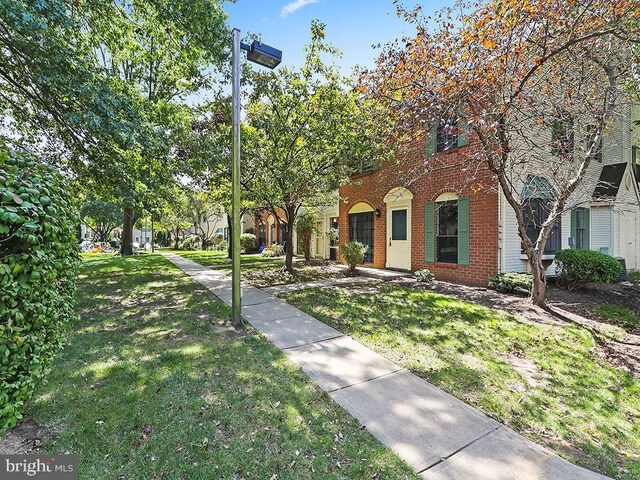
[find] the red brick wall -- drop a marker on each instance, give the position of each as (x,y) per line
(427,183)
(263,215)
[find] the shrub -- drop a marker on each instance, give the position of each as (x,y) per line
(190,243)
(37,276)
(274,250)
(576,268)
(424,275)
(223,246)
(512,282)
(248,242)
(219,244)
(353,253)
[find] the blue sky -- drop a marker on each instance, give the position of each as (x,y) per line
(352,25)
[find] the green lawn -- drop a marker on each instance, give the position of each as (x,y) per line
(546,381)
(153,384)
(621,316)
(262,271)
(219,260)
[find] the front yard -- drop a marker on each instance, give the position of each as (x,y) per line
(154,384)
(546,380)
(262,271)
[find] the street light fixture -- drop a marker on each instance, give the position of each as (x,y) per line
(268,57)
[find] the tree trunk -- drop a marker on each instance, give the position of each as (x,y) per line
(288,259)
(126,240)
(307,248)
(538,290)
(175,240)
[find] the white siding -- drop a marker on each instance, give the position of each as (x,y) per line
(511,244)
(602,228)
(606,220)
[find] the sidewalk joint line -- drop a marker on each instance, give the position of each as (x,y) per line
(443,459)
(367,380)
(314,342)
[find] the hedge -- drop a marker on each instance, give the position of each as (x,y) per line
(38,263)
(576,268)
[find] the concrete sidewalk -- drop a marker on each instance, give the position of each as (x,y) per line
(441,437)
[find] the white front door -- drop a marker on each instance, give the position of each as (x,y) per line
(399,237)
(628,240)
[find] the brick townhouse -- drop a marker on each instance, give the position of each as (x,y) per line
(443,221)
(457,223)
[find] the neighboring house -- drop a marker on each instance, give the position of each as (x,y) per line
(458,224)
(269,229)
(218,225)
(607,218)
(140,235)
(324,241)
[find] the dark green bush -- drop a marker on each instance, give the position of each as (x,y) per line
(248,242)
(353,253)
(576,268)
(38,262)
(512,282)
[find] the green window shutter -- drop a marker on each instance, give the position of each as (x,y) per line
(429,232)
(574,227)
(430,141)
(464,247)
(463,133)
(587,228)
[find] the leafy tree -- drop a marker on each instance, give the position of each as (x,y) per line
(310,130)
(111,79)
(305,228)
(174,215)
(533,85)
(203,212)
(206,151)
(53,94)
(101,216)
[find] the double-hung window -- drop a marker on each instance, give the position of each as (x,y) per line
(447,231)
(562,135)
(446,135)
